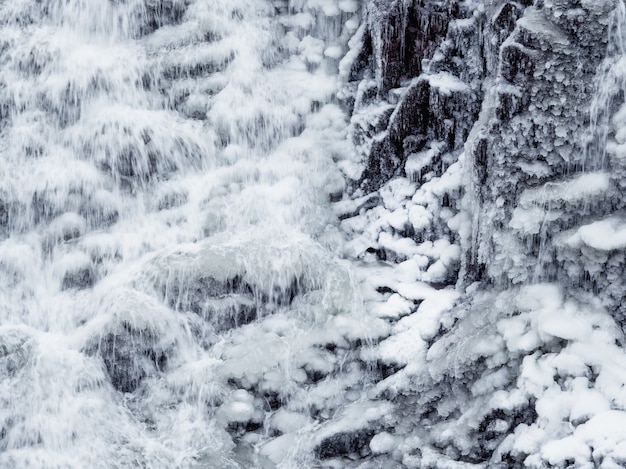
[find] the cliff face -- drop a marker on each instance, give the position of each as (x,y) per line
(531,147)
(490,141)
(509,85)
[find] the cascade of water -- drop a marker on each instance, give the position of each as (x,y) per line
(166,172)
(610,86)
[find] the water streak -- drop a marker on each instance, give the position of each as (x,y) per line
(609,92)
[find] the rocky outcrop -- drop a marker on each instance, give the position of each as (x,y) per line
(419,98)
(532,133)
(512,86)
(506,146)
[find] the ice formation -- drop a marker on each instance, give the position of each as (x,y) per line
(312,233)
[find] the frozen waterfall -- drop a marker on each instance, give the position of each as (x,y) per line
(167,173)
(297,234)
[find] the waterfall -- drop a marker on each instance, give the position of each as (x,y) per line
(610,87)
(232,231)
(170,262)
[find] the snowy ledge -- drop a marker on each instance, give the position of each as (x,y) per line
(577,189)
(603,235)
(446,83)
(536,23)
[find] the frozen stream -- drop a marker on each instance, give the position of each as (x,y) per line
(167,172)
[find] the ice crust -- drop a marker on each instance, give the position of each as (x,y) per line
(312,233)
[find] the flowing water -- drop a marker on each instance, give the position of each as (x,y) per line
(166,178)
(590,183)
(609,92)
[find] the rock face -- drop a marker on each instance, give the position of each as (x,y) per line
(537,73)
(438,106)
(534,137)
(497,164)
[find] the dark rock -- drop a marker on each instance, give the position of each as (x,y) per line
(345,443)
(517,63)
(42,208)
(403,35)
(130,355)
(410,117)
(97,214)
(172,200)
(225,305)
(195,70)
(15,351)
(5,215)
(489,435)
(364,61)
(504,20)
(159,13)
(425,113)
(79,278)
(510,102)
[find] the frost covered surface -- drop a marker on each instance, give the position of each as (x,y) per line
(531,203)
(522,379)
(315,233)
(171,290)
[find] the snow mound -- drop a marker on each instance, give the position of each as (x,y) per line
(604,235)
